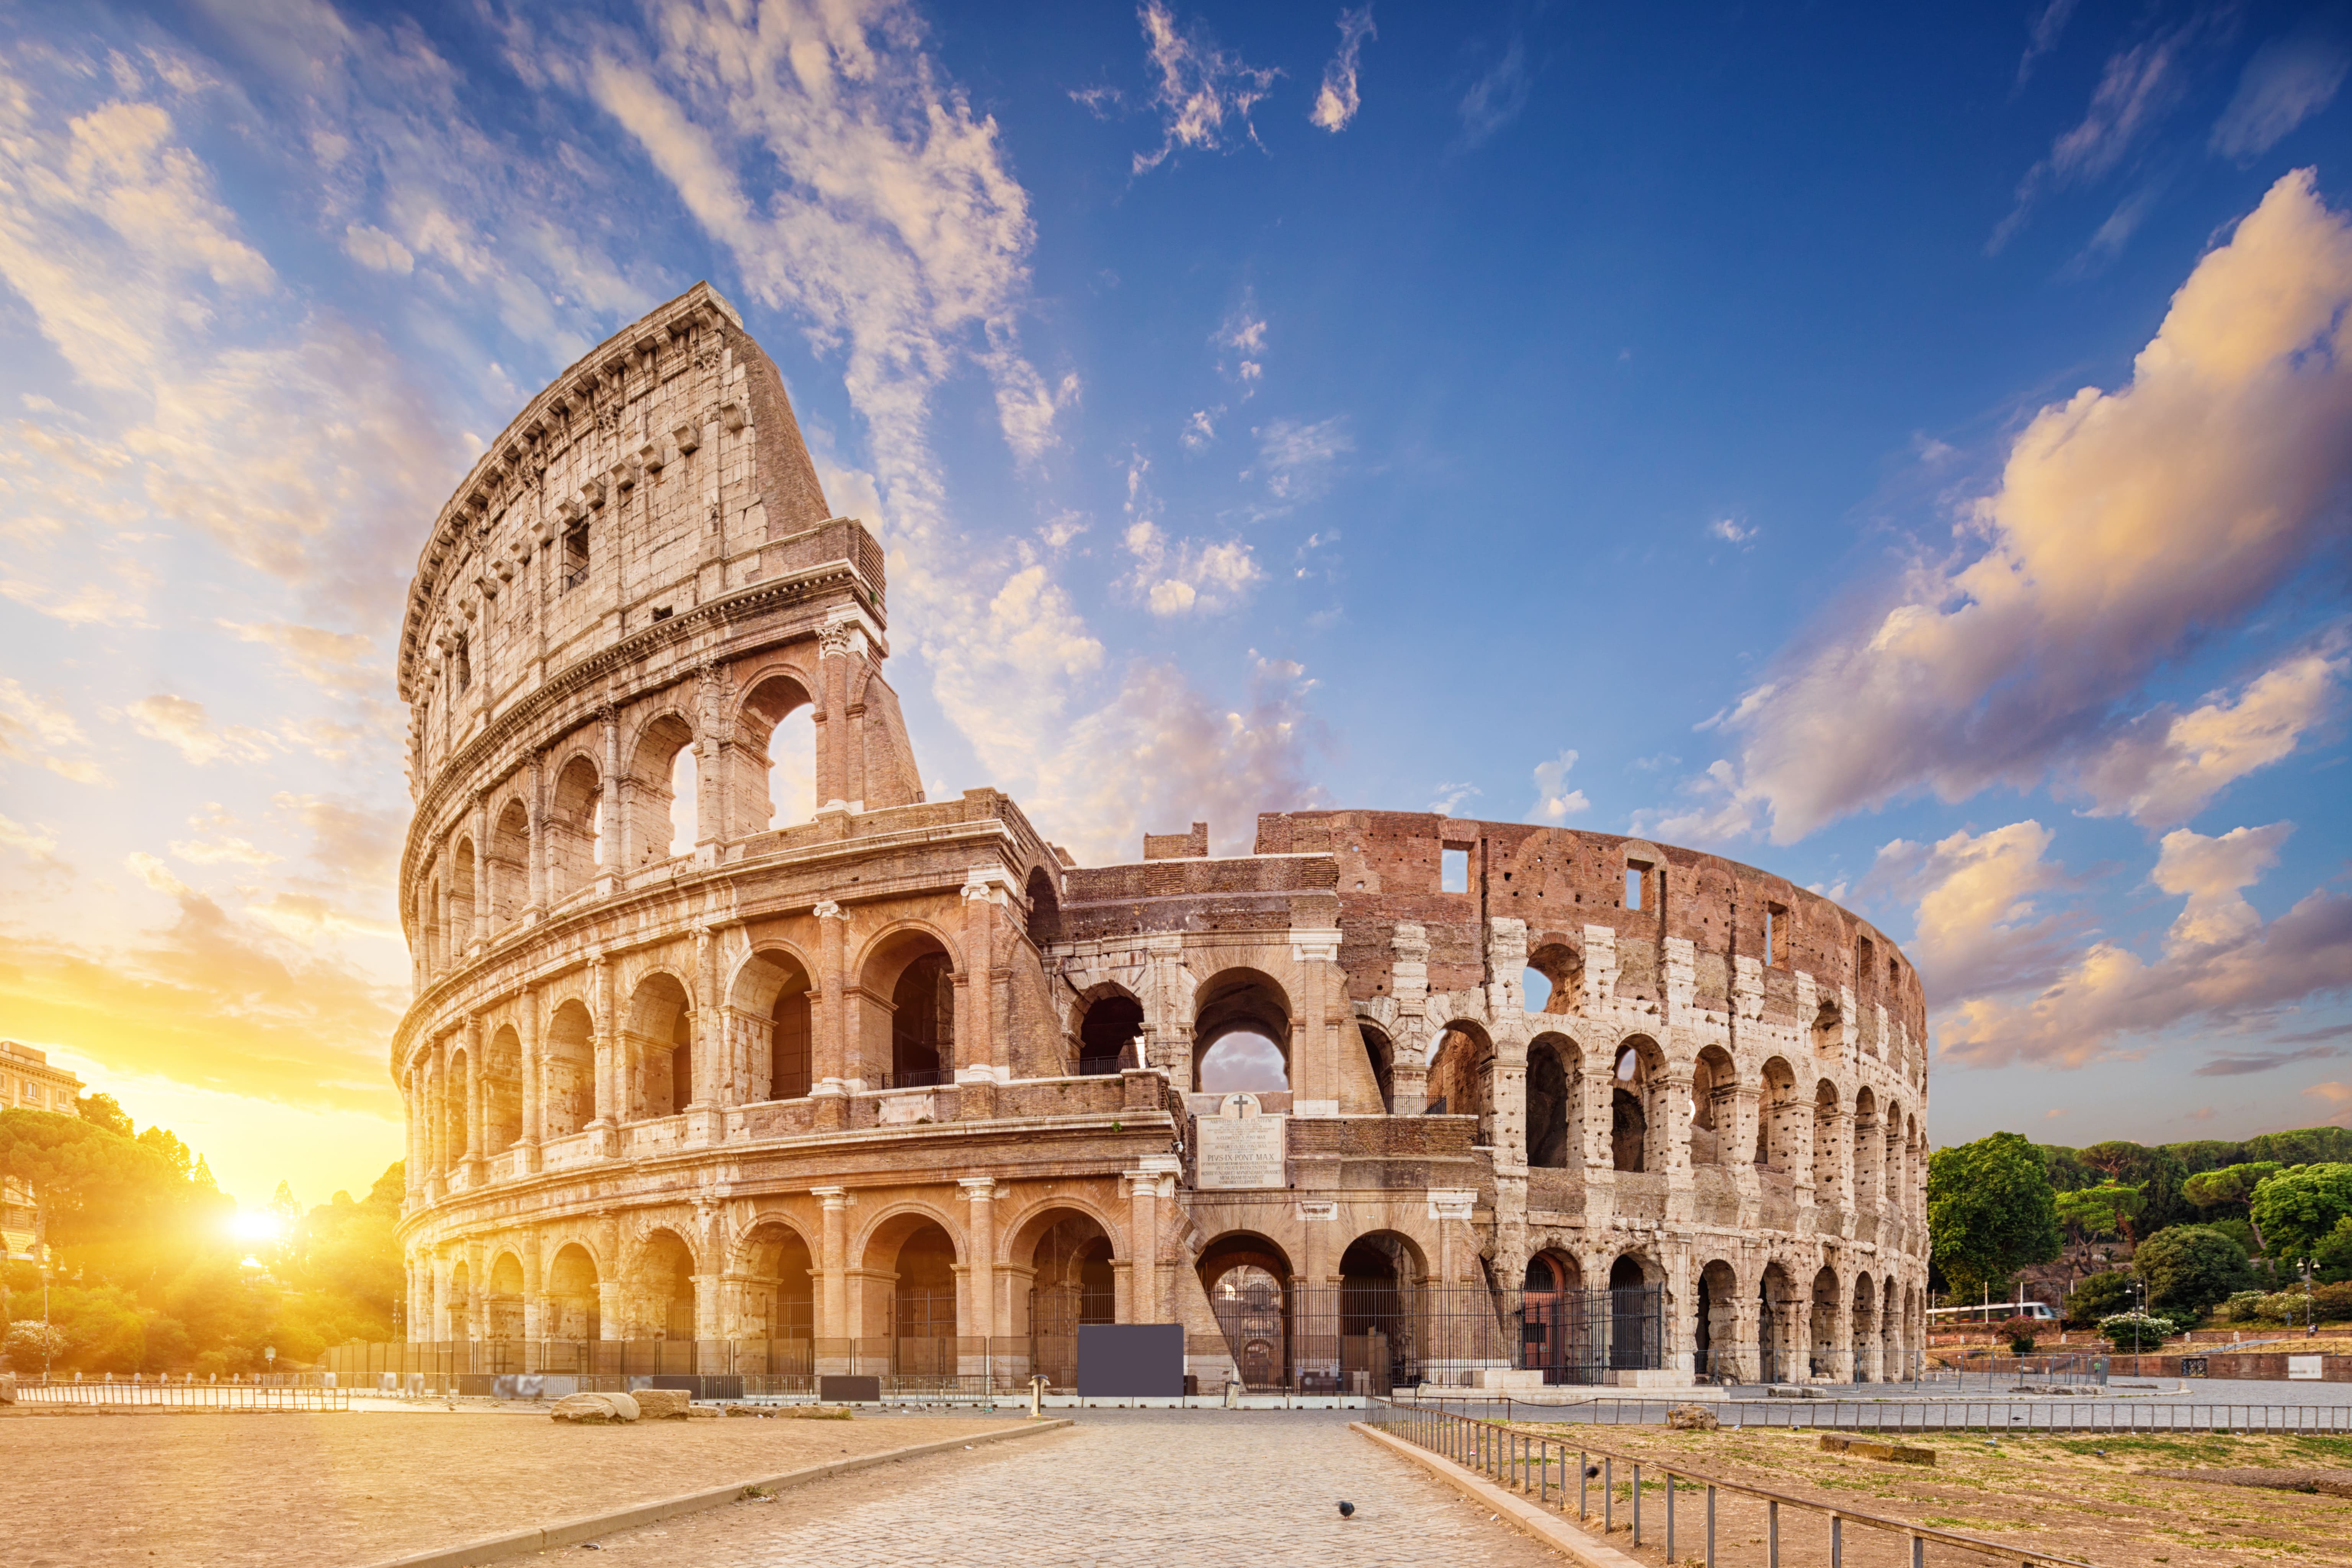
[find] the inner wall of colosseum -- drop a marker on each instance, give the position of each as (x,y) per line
(730,1053)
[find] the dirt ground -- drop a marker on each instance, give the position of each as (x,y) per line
(2055,1494)
(275,1490)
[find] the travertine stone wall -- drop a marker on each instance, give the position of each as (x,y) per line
(821,1076)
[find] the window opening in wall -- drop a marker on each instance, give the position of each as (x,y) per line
(1454,871)
(596,828)
(683,802)
(1775,920)
(1243,1063)
(575,557)
(465,663)
(661,612)
(792,768)
(1535,990)
(1635,874)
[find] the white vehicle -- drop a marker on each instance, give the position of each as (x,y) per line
(1996,1312)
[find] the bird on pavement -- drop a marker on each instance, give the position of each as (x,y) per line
(1347,1509)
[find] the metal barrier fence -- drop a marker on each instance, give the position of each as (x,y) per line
(2083,1415)
(185,1396)
(1536,1466)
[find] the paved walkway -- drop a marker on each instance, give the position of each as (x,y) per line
(1160,1488)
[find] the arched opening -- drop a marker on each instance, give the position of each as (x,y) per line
(1380,1342)
(1865,1330)
(1462,1077)
(1552,1073)
(1559,968)
(777,736)
(1556,1329)
(457,1098)
(1071,1283)
(568,1072)
(502,1091)
(1248,1282)
(461,896)
(573,1309)
(1776,1114)
(1827,1303)
(685,801)
(778,1296)
(913,1259)
(575,830)
(1241,1035)
(1829,1184)
(428,926)
(1867,1151)
(503,1307)
(1380,1052)
(509,866)
(1110,1035)
(658,1040)
(1045,908)
(1637,1315)
(1631,1104)
(1714,1087)
(1779,1322)
(768,1011)
(650,797)
(664,1304)
(922,1023)
(1717,1341)
(1829,1029)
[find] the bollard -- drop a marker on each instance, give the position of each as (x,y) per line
(1583,1463)
(1710,1527)
(1837,1542)
(1637,1505)
(1608,1494)
(1670,1516)
(1772,1534)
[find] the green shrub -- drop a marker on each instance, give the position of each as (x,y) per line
(2100,1296)
(2137,1332)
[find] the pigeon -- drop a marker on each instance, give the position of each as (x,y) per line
(1347,1509)
(1591,1471)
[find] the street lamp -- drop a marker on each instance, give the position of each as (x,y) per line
(2309,1327)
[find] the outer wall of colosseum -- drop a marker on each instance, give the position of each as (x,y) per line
(878,1072)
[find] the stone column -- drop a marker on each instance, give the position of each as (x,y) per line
(617,847)
(481,931)
(1409,983)
(1143,1245)
(708,1031)
(534,1078)
(832,1051)
(833,1268)
(1747,1323)
(475,1085)
(600,988)
(537,901)
(534,1290)
(478,1294)
(983,893)
(980,1194)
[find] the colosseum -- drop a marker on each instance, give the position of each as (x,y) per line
(731,1053)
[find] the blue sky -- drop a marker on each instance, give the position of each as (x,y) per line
(1907,453)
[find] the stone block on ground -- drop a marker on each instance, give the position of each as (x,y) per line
(1893,1453)
(663,1403)
(1692,1418)
(595,1409)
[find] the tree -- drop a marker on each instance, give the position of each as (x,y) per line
(2190,1269)
(2102,1210)
(1990,1211)
(2229,1193)
(2296,1206)
(2157,1172)
(2100,1296)
(102,1110)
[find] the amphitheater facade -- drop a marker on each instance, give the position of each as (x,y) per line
(884,1082)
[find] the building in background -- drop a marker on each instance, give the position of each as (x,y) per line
(877,1083)
(28,1082)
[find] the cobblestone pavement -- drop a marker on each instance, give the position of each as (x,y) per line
(1167,1488)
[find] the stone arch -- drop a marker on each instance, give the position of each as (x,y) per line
(1828,1306)
(1555,1103)
(1720,1355)
(575,828)
(457,1095)
(909,1260)
(776,1284)
(502,1090)
(774,756)
(1239,1001)
(1640,1308)
(1562,963)
(1248,1276)
(575,1304)
(1637,1118)
(770,1016)
(1045,908)
(1776,1108)
(1781,1330)
(1462,1075)
(662,1286)
(652,766)
(1108,1023)
(1865,1330)
(658,1047)
(510,863)
(567,1070)
(1891,1366)
(1828,1029)
(1714,1104)
(1059,1265)
(1379,1051)
(460,1298)
(461,896)
(1866,1149)
(1555,1324)
(1829,1175)
(1380,1334)
(502,1301)
(908,976)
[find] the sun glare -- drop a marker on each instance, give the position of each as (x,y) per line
(257,1225)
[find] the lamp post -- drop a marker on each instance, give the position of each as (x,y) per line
(2309,1327)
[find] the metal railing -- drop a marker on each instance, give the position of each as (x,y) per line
(2098,1416)
(185,1395)
(1536,1466)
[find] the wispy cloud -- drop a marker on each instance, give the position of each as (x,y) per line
(1336,102)
(2286,82)
(2138,86)
(1555,802)
(1297,458)
(2245,1064)
(2042,36)
(1731,531)
(1495,97)
(1203,93)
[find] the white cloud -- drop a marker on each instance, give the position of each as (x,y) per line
(1495,99)
(2220,965)
(223,851)
(1731,531)
(1297,458)
(1716,808)
(1203,93)
(1450,797)
(2286,82)
(1191,575)
(2137,87)
(2042,37)
(1981,924)
(1336,102)
(34,841)
(376,250)
(1198,431)
(183,725)
(2127,525)
(1243,337)
(2166,767)
(1555,802)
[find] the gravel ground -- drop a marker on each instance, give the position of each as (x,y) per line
(274,1491)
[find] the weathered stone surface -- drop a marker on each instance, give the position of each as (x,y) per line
(1692,1418)
(720,1074)
(1865,1448)
(595,1409)
(663,1403)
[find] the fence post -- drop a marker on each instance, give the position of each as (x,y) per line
(1637,1504)
(1583,1463)
(1670,1516)
(1837,1542)
(1608,1493)
(1772,1534)
(1710,1525)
